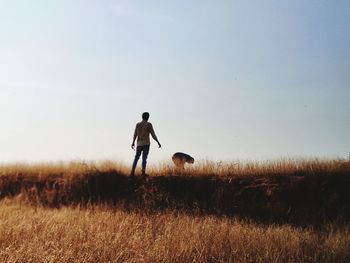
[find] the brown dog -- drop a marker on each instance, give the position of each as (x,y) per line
(180,159)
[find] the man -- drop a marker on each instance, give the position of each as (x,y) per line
(142,131)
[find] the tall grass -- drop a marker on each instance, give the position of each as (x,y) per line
(98,234)
(287,190)
(281,166)
(275,211)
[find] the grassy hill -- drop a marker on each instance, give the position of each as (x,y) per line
(300,191)
(281,211)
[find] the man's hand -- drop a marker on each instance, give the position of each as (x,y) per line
(133,146)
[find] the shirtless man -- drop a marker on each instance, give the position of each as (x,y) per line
(142,131)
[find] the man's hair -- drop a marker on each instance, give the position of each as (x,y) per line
(145,116)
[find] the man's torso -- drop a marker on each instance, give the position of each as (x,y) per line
(143,130)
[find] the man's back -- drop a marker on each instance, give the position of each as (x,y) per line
(142,131)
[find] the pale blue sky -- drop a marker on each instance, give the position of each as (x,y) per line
(221,79)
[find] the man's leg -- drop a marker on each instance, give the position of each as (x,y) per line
(136,159)
(144,158)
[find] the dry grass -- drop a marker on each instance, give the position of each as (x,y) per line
(97,234)
(201,168)
(101,215)
(285,190)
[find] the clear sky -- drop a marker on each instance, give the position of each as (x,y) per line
(222,80)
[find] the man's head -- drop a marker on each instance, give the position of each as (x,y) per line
(145,116)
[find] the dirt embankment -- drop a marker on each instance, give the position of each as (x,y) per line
(298,197)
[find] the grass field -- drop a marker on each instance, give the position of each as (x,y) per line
(281,211)
(97,234)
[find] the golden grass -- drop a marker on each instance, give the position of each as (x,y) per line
(283,166)
(97,234)
(203,167)
(286,189)
(84,232)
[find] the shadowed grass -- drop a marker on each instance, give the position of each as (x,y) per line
(294,191)
(278,211)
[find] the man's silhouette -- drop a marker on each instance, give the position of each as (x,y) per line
(142,131)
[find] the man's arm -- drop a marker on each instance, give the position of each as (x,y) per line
(134,138)
(155,137)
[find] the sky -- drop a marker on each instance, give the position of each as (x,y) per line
(222,80)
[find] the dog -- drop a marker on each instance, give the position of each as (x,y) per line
(180,158)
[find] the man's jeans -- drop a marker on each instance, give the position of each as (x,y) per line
(144,149)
